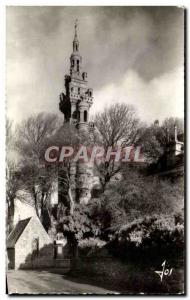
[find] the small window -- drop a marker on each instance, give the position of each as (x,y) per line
(71,89)
(77,65)
(35,246)
(78,90)
(77,47)
(85,116)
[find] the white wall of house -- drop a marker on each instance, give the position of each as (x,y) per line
(24,245)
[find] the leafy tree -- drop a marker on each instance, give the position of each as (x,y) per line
(169,124)
(141,195)
(134,196)
(76,226)
(154,138)
(147,236)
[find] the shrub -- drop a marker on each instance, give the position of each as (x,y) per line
(150,235)
(90,246)
(79,225)
(91,243)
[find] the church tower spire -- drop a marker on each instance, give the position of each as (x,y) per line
(75,59)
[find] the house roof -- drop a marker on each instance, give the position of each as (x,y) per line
(16,232)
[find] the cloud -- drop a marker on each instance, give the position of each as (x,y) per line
(129,53)
(158,98)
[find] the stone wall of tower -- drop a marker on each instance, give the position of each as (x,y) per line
(75,103)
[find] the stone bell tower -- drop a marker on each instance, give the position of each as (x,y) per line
(75,103)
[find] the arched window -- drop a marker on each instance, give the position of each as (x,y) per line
(77,65)
(74,115)
(85,116)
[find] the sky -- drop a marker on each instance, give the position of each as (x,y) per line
(133,55)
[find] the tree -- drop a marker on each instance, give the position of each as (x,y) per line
(78,225)
(117,125)
(154,139)
(134,197)
(12,187)
(33,137)
(12,175)
(139,195)
(169,124)
(67,135)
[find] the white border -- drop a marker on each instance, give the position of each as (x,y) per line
(95,2)
(3,4)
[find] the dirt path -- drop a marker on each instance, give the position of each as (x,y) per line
(42,282)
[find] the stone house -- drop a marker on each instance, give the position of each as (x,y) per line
(26,241)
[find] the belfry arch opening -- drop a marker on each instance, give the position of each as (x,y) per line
(85,116)
(77,65)
(74,115)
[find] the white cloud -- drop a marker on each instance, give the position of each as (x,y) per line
(158,98)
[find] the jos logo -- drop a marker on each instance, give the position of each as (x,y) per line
(164,272)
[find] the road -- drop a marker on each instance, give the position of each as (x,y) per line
(40,282)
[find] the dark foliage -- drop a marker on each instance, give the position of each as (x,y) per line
(149,238)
